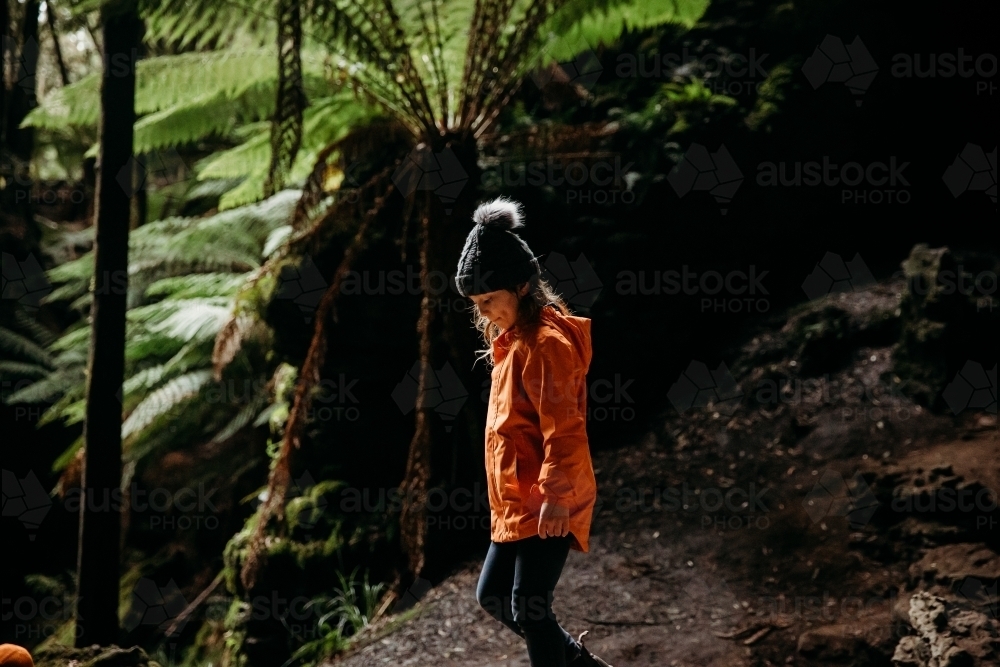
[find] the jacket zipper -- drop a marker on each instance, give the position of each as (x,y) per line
(496,416)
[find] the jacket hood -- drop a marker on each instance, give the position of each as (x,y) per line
(575,329)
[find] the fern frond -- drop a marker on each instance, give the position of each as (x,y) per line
(199,118)
(74,413)
(229,341)
(184,320)
(555,31)
(196,24)
(21,347)
(30,326)
(164,399)
(276,239)
(375,54)
(582,24)
(176,83)
(138,385)
(49,389)
(328,120)
(67,456)
(21,369)
(242,418)
(63,408)
(197,285)
(74,340)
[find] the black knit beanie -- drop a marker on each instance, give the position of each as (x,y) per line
(494,257)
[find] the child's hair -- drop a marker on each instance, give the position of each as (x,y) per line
(529,310)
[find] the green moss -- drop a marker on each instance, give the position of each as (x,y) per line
(771,96)
(942,326)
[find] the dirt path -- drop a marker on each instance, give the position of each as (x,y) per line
(635,593)
(663,589)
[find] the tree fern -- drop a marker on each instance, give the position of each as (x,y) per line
(180,296)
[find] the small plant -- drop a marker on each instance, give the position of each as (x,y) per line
(354,607)
(354,610)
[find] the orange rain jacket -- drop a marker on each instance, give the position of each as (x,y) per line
(536,429)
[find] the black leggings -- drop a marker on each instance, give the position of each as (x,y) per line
(516,588)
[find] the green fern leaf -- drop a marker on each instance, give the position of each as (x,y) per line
(21,347)
(167,397)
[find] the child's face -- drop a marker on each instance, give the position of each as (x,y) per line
(500,307)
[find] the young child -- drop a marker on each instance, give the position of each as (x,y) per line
(538,468)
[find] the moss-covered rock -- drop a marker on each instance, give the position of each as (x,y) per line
(947,320)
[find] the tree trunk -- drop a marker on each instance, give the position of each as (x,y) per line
(446,335)
(18,143)
(98,565)
(50,14)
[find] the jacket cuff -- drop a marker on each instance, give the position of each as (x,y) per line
(536,491)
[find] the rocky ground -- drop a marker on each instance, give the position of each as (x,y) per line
(860,527)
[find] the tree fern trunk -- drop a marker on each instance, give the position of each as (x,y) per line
(413,516)
(445,336)
(98,565)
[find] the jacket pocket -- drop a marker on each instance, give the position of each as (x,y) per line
(507,469)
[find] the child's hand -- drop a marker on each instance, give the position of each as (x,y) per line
(553,521)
